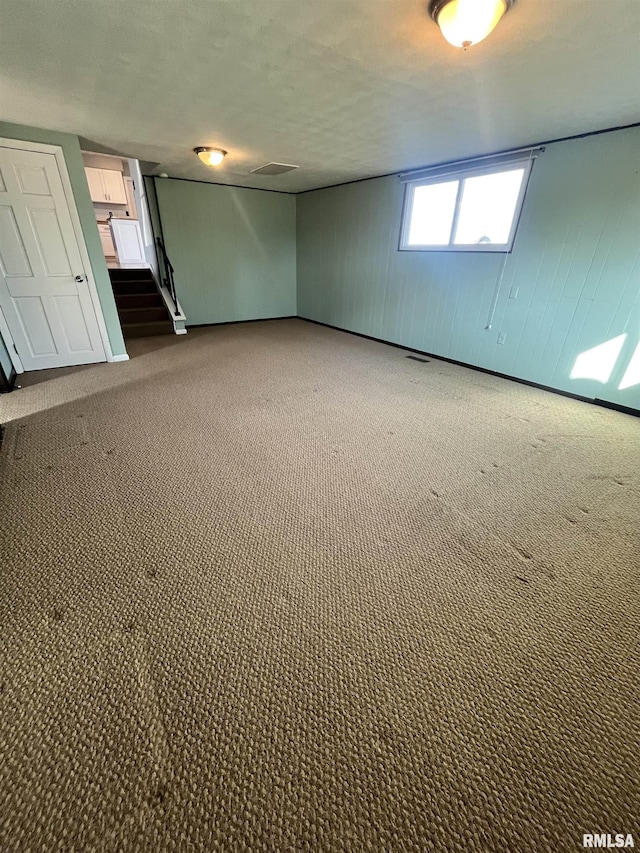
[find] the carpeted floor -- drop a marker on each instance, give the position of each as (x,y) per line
(272,587)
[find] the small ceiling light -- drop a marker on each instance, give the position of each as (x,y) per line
(466,22)
(211,156)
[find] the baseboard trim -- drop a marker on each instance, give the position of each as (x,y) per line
(124,357)
(238,322)
(626,410)
(594,401)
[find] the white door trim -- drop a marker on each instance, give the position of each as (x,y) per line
(56,150)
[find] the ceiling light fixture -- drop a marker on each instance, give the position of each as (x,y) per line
(466,22)
(211,156)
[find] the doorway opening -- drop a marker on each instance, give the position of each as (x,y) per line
(141,278)
(117,191)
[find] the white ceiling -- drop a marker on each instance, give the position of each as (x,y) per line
(345,88)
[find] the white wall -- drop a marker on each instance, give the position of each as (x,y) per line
(146,230)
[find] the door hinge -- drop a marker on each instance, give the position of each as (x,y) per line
(16,349)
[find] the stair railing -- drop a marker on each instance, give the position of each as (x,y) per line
(167,278)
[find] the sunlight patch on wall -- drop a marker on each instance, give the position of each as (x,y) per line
(598,363)
(632,373)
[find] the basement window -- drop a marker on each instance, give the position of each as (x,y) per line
(468,207)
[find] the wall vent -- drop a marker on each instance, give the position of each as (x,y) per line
(272,169)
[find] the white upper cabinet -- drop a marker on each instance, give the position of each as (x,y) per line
(106,185)
(96,187)
(114,186)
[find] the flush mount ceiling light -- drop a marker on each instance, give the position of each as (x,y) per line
(211,156)
(466,22)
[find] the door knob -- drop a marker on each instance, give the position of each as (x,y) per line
(79,278)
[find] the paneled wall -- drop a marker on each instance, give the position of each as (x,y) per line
(233,250)
(563,299)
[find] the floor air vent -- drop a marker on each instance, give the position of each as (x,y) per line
(273,169)
(415,358)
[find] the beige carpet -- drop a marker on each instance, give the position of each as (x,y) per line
(272,587)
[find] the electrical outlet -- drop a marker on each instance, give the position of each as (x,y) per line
(513,293)
(502,337)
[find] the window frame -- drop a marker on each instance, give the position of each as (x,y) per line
(460,175)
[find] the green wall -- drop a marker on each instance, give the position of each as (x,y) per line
(73,158)
(233,250)
(574,271)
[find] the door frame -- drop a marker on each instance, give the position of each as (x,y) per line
(58,153)
(6,335)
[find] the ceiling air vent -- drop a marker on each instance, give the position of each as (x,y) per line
(273,169)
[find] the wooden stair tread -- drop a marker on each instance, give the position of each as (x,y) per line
(143,314)
(141,308)
(143,330)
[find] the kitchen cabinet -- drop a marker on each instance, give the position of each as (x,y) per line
(106,238)
(106,185)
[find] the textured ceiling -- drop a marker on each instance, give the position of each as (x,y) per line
(345,88)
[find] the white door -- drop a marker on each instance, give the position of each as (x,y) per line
(44,292)
(128,240)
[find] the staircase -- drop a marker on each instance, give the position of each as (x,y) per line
(140,307)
